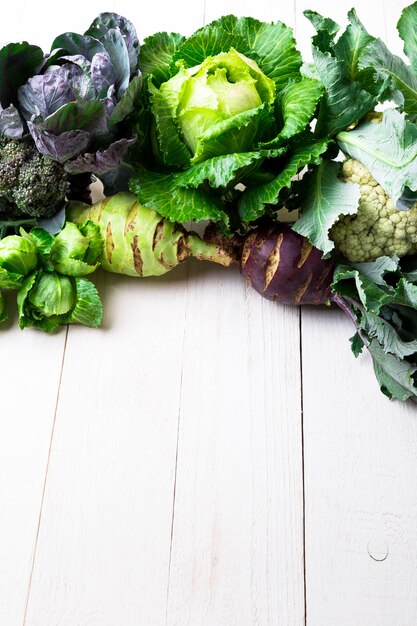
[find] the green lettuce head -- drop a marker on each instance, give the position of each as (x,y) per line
(76,249)
(18,258)
(226,107)
(47,300)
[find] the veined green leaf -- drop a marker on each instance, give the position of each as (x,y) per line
(222,170)
(392,71)
(234,134)
(407,27)
(396,376)
(128,101)
(272,46)
(378,328)
(298,102)
(345,101)
(81,115)
(326,30)
(326,198)
(351,44)
(349,282)
(88,309)
(253,200)
(389,151)
(156,54)
(376,270)
(164,101)
(178,204)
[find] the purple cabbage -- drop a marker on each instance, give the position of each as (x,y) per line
(76,105)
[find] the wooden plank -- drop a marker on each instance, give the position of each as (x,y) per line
(237,552)
(104,542)
(29,372)
(359,459)
(103,549)
(361,501)
(237,549)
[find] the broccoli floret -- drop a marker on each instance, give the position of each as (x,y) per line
(378,228)
(30,184)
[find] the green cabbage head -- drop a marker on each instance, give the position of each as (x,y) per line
(218,104)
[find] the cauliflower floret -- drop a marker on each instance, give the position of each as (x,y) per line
(378,228)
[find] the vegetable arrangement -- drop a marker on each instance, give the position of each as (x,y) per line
(227,126)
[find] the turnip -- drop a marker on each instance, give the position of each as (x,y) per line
(282,265)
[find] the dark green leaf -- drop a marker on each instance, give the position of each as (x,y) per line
(391,71)
(396,376)
(351,45)
(253,200)
(356,344)
(326,199)
(326,30)
(156,54)
(388,150)
(71,43)
(271,45)
(128,101)
(222,170)
(378,328)
(179,204)
(407,27)
(18,61)
(88,308)
(345,101)
(298,102)
(350,283)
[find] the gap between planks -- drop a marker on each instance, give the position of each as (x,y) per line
(38,527)
(302,463)
(174,490)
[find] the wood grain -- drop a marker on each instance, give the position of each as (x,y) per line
(237,550)
(174,474)
(359,454)
(30,367)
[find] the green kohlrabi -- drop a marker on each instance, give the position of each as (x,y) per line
(228,105)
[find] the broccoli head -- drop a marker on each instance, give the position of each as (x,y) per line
(378,228)
(30,184)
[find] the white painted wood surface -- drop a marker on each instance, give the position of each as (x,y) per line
(162,470)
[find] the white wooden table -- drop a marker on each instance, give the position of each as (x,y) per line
(208,458)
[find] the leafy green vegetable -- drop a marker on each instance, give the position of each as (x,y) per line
(382,303)
(349,93)
(18,255)
(86,89)
(18,61)
(388,150)
(48,300)
(325,198)
(75,250)
(48,273)
(224,105)
(252,203)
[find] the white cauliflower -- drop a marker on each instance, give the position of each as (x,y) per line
(378,228)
